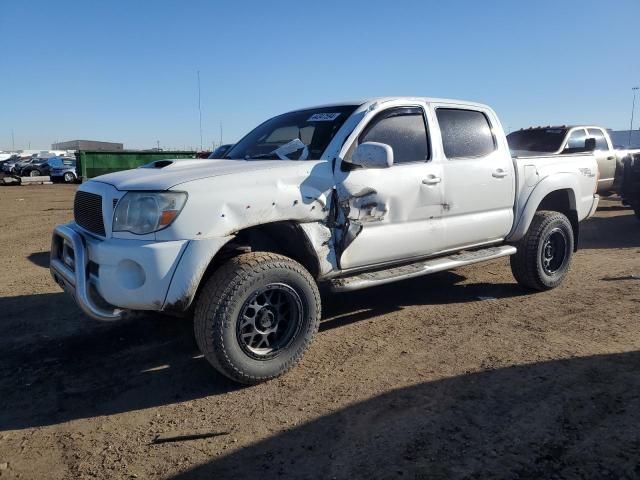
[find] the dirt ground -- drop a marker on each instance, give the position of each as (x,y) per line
(457,375)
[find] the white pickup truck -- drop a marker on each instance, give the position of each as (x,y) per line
(563,139)
(350,195)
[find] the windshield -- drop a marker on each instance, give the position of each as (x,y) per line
(299,135)
(537,139)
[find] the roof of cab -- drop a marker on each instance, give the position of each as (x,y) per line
(372,100)
(566,127)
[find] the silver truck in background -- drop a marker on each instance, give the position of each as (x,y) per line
(564,139)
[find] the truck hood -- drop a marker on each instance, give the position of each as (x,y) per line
(165,174)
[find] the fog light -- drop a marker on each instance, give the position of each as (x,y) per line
(130,274)
(67,255)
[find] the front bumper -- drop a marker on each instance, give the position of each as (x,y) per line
(109,277)
(68,266)
(123,274)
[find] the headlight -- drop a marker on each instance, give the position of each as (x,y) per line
(147,212)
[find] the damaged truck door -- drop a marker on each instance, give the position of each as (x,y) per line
(396,212)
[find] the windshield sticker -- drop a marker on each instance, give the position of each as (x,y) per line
(323,117)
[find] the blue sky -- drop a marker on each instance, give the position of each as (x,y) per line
(126,70)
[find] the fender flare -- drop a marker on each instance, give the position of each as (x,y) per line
(200,255)
(546,186)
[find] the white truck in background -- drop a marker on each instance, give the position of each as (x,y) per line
(350,195)
(563,140)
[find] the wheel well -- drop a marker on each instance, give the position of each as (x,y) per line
(285,238)
(563,201)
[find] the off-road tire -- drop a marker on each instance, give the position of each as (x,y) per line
(221,300)
(527,262)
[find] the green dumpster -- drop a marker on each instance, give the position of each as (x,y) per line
(92,164)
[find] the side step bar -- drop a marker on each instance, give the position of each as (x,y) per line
(425,267)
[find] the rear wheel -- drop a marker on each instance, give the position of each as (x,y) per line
(256,316)
(545,252)
(69,177)
(34,173)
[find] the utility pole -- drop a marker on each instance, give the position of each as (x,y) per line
(13,141)
(220,133)
(200,110)
(633,107)
(158,144)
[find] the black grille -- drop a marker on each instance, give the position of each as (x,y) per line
(87,211)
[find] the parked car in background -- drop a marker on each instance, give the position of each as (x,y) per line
(12,166)
(65,171)
(563,139)
(7,158)
(39,167)
(350,196)
(220,151)
(22,164)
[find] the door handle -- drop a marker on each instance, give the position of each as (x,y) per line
(432,180)
(499,173)
(611,157)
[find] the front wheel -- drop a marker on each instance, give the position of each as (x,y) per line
(544,253)
(256,316)
(34,173)
(69,177)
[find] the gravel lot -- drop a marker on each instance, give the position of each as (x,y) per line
(457,375)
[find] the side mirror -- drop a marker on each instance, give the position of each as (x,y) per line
(590,144)
(373,155)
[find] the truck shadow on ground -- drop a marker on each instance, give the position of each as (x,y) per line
(438,288)
(618,231)
(56,365)
(41,259)
(573,418)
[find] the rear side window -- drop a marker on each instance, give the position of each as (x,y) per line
(576,139)
(601,142)
(465,133)
(404,130)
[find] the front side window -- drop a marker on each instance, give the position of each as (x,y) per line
(601,141)
(465,133)
(300,135)
(576,139)
(404,130)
